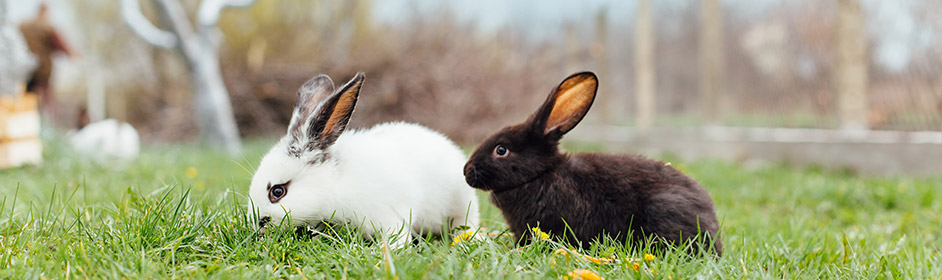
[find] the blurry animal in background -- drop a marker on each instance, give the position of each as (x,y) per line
(43,42)
(105,141)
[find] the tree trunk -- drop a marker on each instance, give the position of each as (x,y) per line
(214,110)
(712,60)
(644,67)
(214,115)
(851,73)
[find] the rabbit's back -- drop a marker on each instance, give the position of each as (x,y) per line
(656,197)
(406,168)
(404,145)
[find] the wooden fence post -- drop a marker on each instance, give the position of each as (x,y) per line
(645,75)
(712,61)
(601,55)
(851,73)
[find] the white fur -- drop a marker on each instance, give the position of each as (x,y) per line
(107,141)
(378,179)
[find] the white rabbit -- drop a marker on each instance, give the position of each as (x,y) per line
(107,141)
(391,179)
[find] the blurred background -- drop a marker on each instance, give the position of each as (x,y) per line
(796,80)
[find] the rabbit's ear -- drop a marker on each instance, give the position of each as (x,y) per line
(332,115)
(310,95)
(565,106)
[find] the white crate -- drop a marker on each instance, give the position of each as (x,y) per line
(19,131)
(20,152)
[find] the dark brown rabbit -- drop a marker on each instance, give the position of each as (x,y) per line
(534,184)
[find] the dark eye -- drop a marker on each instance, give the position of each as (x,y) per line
(501,151)
(276,192)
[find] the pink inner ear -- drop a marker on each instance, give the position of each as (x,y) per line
(573,99)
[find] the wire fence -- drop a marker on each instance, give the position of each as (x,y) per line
(780,66)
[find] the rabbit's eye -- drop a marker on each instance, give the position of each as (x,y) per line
(501,151)
(276,192)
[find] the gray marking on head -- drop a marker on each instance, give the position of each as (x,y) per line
(309,152)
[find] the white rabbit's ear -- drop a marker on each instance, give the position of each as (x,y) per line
(331,116)
(565,106)
(310,95)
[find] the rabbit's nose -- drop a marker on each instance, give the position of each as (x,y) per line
(468,169)
(263,221)
(470,175)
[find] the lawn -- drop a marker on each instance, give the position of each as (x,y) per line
(178,212)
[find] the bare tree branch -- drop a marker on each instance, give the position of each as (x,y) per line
(174,17)
(131,12)
(209,10)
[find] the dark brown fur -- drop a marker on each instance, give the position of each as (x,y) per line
(595,194)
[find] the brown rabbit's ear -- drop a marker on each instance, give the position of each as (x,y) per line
(566,105)
(331,117)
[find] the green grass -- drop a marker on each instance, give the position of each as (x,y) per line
(179,212)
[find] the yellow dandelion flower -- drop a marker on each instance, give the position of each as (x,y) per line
(461,237)
(585,274)
(636,266)
(192,172)
(467,235)
(539,234)
(649,257)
